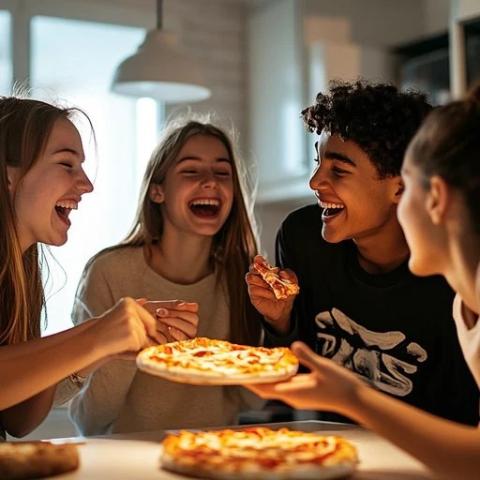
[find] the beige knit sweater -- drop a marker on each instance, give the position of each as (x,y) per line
(119,398)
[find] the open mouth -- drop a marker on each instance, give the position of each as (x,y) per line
(331,209)
(205,207)
(63,210)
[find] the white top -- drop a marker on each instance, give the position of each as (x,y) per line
(119,398)
(469,338)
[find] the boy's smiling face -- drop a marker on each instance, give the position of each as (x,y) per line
(356,203)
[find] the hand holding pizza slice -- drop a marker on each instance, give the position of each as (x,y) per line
(282,287)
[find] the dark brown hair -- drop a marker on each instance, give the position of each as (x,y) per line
(448,145)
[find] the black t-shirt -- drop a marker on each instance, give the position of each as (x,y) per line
(394,329)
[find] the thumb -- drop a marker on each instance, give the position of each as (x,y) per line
(288,274)
(307,357)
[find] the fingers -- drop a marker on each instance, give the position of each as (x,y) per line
(263,390)
(179,305)
(304,381)
(288,274)
(150,324)
(254,279)
(184,321)
(306,356)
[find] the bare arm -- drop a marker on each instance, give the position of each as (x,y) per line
(28,370)
(449,449)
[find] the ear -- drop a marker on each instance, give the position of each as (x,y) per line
(437,199)
(397,188)
(156,193)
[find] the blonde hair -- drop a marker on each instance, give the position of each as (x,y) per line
(25,126)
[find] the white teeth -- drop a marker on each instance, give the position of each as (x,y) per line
(70,204)
(331,205)
(206,201)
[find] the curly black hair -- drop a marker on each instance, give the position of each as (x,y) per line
(379,118)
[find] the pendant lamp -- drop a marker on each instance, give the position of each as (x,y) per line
(161,69)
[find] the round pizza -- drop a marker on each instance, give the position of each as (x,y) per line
(258,453)
(28,460)
(205,361)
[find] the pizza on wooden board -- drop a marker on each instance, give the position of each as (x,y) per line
(205,361)
(258,453)
(28,460)
(282,288)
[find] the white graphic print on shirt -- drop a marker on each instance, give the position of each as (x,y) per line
(369,360)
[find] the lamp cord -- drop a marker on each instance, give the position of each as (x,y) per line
(159,14)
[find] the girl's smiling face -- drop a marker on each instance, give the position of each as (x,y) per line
(196,196)
(44,197)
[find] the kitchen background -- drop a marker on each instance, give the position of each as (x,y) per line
(264,60)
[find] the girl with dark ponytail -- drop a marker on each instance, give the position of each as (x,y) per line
(440,216)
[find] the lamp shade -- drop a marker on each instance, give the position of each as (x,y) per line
(162,70)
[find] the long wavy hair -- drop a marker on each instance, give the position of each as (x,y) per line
(25,127)
(233,247)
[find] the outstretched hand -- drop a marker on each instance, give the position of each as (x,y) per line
(328,386)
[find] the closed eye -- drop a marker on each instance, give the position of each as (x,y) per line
(66,164)
(339,171)
(223,174)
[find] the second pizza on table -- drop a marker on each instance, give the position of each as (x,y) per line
(259,453)
(205,361)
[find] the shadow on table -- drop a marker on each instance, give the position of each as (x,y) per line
(389,475)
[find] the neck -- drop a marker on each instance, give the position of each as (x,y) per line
(463,260)
(384,250)
(180,258)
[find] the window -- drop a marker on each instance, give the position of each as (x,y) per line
(5,55)
(73,62)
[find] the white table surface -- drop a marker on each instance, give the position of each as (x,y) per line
(136,456)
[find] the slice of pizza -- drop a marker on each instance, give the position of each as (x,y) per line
(28,460)
(282,288)
(206,361)
(258,453)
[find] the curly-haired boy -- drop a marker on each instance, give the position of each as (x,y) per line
(358,303)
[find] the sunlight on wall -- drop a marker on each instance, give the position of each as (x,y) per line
(73,62)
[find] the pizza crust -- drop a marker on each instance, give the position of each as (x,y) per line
(207,378)
(29,460)
(300,473)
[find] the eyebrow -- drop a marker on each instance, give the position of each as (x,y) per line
(331,155)
(193,157)
(66,150)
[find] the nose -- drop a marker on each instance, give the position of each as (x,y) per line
(318,179)
(209,180)
(84,183)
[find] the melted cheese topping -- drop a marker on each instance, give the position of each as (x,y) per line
(257,448)
(218,357)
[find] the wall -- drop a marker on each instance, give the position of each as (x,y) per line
(370,22)
(214,31)
(363,29)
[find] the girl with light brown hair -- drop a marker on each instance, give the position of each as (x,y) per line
(192,238)
(41,181)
